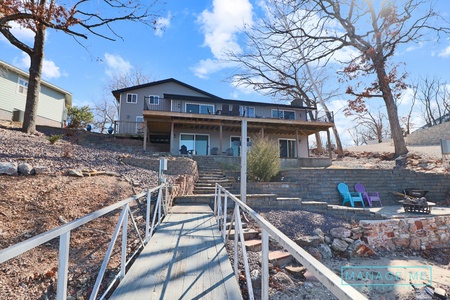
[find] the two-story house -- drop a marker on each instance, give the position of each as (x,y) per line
(177,117)
(52,105)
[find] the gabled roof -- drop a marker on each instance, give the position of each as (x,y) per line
(117,93)
(68,95)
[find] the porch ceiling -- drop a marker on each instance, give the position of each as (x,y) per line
(233,124)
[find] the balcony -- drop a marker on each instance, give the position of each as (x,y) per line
(219,109)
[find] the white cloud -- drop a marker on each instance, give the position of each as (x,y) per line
(221,27)
(115,64)
(49,69)
(206,67)
(445,53)
(162,24)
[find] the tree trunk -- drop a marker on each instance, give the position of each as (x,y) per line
(339,149)
(391,107)
(34,82)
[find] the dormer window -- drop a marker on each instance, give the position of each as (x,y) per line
(132,98)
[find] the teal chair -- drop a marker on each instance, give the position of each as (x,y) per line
(348,196)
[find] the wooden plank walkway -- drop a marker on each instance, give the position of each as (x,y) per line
(185,259)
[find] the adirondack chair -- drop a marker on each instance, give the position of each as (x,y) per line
(348,196)
(370,197)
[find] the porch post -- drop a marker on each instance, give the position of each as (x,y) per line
(244,161)
(329,144)
(262,132)
(297,143)
(172,139)
(220,139)
(145,135)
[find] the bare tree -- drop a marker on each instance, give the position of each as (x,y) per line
(373,30)
(106,110)
(270,69)
(79,19)
(370,125)
(433,94)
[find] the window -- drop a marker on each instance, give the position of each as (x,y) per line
(131,98)
(22,86)
(199,108)
(153,100)
(287,148)
(283,114)
(247,111)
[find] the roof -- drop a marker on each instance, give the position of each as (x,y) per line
(208,97)
(68,95)
(117,93)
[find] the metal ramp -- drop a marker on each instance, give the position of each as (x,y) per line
(185,259)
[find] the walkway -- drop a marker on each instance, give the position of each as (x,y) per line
(185,259)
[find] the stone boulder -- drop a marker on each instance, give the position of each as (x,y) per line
(8,168)
(75,173)
(340,232)
(359,249)
(24,169)
(325,251)
(339,245)
(308,241)
(39,170)
(315,253)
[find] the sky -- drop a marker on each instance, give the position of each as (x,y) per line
(192,38)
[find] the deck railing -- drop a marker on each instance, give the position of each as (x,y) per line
(161,206)
(182,106)
(330,280)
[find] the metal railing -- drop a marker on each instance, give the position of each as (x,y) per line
(63,232)
(129,128)
(216,108)
(322,273)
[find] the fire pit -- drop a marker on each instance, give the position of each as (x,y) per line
(416,193)
(413,201)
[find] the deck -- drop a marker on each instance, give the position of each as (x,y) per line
(185,259)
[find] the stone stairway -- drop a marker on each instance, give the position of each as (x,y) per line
(209,174)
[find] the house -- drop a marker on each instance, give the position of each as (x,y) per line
(178,118)
(53,101)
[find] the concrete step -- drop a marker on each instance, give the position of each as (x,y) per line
(244,225)
(210,172)
(213,184)
(279,258)
(207,177)
(203,198)
(248,234)
(253,245)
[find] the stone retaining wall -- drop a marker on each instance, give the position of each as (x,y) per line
(415,233)
(175,166)
(321,185)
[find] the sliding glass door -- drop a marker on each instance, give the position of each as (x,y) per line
(197,143)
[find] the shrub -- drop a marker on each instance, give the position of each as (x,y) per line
(54,138)
(79,117)
(263,159)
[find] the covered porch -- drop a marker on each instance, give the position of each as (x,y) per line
(205,134)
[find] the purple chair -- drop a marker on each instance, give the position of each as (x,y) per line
(370,197)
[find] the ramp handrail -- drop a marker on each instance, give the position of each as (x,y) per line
(63,232)
(331,281)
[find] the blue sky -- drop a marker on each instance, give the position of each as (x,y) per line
(193,37)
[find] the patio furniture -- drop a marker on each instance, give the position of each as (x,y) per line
(348,196)
(370,197)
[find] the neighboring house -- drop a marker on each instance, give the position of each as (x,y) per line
(179,117)
(53,101)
